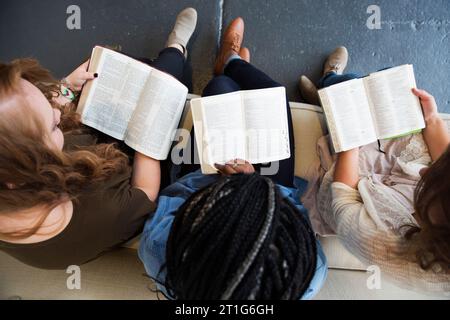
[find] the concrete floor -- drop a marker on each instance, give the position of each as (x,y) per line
(287,38)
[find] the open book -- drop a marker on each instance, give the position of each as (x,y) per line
(133,102)
(379,106)
(250,125)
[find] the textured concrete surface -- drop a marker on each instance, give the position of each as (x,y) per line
(141,27)
(287,38)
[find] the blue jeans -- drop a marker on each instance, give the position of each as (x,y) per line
(332,78)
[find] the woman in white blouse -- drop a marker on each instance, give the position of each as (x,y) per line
(392,208)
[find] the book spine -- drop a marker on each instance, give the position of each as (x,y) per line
(330,120)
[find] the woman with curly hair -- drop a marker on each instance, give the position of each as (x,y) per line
(67,193)
(388,202)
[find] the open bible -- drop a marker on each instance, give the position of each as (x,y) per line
(251,125)
(133,102)
(379,106)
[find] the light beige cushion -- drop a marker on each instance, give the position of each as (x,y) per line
(309,126)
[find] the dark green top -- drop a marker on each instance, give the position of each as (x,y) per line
(102,219)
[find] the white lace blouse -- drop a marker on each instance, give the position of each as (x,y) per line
(372,221)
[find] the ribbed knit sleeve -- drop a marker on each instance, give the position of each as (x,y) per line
(375,246)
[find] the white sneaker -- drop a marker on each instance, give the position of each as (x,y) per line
(183,29)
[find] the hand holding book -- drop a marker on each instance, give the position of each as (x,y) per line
(436,136)
(248,124)
(133,102)
(76,80)
(428,103)
(436,133)
(379,106)
(235,167)
(429,106)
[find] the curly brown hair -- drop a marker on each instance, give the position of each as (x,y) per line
(32,174)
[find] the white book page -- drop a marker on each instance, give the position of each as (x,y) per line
(395,109)
(350,109)
(114,94)
(266,125)
(223,132)
(156,118)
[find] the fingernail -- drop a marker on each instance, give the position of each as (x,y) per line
(95,75)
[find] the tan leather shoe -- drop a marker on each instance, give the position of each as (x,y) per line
(231,43)
(244,53)
(337,61)
(309,91)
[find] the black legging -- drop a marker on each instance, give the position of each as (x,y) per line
(173,62)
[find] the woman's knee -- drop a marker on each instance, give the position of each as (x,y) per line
(334,78)
(219,85)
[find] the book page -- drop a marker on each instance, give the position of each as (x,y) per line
(266,125)
(348,112)
(395,109)
(156,118)
(114,94)
(223,130)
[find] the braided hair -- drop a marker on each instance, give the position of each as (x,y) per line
(239,239)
